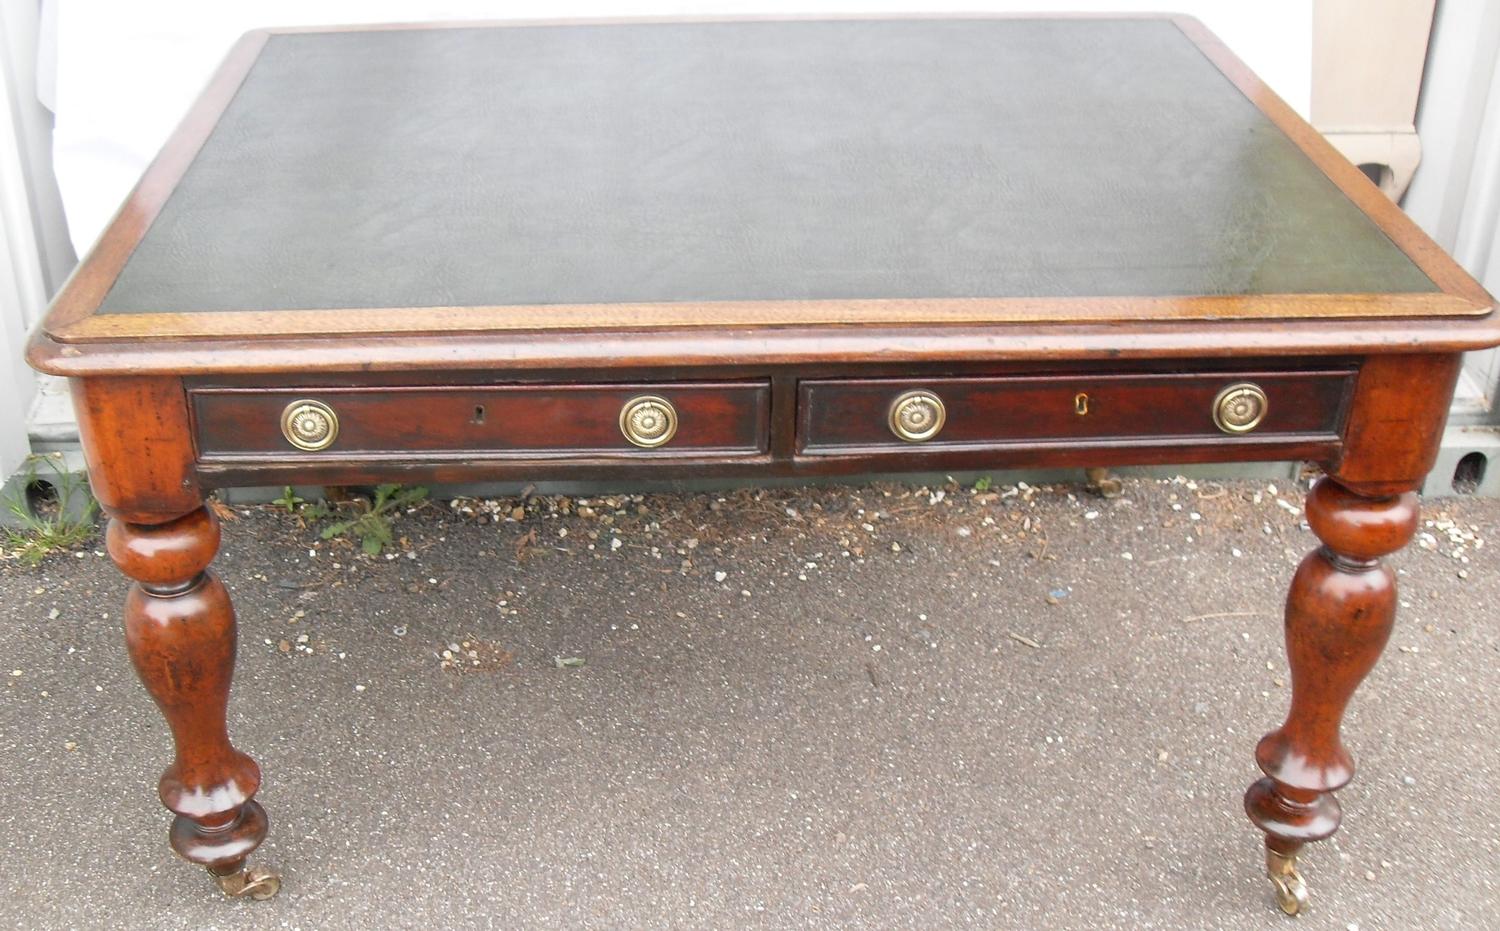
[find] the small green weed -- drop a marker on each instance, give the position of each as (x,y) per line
(984,483)
(288,500)
(61,523)
(372,527)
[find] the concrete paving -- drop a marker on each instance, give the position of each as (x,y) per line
(876,706)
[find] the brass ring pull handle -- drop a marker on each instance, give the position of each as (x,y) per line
(917,416)
(309,425)
(648,421)
(1240,408)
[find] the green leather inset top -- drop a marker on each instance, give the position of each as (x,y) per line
(746,161)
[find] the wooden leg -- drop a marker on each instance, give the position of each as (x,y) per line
(1339,615)
(180,633)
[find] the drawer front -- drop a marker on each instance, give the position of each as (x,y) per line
(838,416)
(694,419)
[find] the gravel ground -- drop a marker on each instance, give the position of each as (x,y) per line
(880,706)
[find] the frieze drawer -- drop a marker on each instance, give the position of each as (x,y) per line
(686,419)
(838,416)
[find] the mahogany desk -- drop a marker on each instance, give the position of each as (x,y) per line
(750,248)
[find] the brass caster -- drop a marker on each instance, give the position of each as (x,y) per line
(258,884)
(1291,890)
(1102,483)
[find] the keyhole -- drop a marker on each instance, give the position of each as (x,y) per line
(1080,404)
(479,413)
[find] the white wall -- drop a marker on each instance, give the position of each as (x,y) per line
(22,278)
(1455,195)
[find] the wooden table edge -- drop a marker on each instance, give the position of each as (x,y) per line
(762,347)
(768,313)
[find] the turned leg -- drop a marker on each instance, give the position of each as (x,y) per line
(1338,617)
(180,633)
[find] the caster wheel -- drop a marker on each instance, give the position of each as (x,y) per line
(1110,488)
(1291,893)
(1102,483)
(263,884)
(1291,889)
(258,884)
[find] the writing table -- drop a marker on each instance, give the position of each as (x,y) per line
(612,251)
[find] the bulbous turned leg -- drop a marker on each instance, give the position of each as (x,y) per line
(1339,615)
(180,633)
